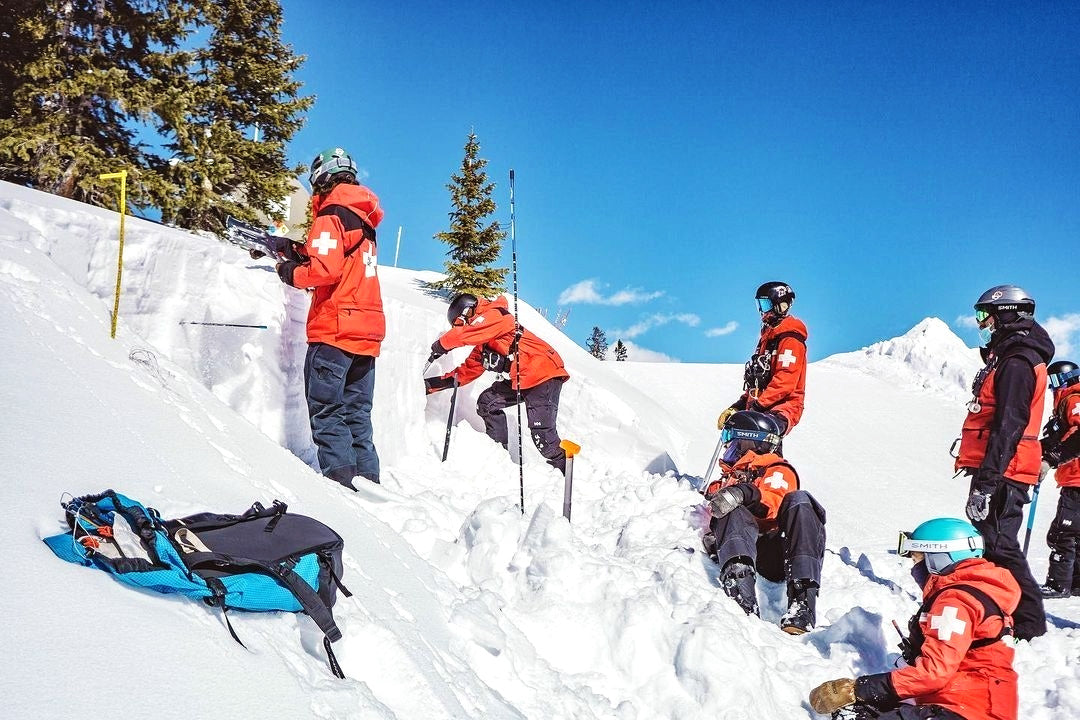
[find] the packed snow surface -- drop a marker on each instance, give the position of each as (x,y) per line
(463,606)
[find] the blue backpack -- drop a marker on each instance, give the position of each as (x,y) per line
(263,559)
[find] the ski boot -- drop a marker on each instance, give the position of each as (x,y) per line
(740,584)
(801,614)
(1049,590)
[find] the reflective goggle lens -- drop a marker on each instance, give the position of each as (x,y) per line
(764,305)
(1058,380)
(901,545)
(980,316)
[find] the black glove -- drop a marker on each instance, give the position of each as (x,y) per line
(435,384)
(285,271)
(289,250)
(437,351)
(256,254)
(732,497)
(978,503)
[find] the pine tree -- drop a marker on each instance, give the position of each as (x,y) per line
(473,244)
(241,85)
(620,351)
(83,74)
(597,344)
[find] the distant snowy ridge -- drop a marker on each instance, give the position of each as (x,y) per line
(929,356)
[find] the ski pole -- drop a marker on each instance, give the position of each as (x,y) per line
(450,420)
(571,449)
(215,324)
(1034,502)
(712,464)
(517,338)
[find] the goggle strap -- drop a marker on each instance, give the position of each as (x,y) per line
(909,545)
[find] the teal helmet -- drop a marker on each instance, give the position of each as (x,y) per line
(943,542)
(329,163)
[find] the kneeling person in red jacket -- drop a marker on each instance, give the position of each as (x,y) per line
(958,667)
(763,523)
(502,346)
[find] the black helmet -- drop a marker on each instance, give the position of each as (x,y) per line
(1063,373)
(461,307)
(1006,298)
(774,297)
(748,430)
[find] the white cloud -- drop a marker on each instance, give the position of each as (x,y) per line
(1064,330)
(724,330)
(966,321)
(655,320)
(585,292)
(637,353)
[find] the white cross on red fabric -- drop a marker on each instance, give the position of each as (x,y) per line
(947,623)
(787,357)
(1076,409)
(776,480)
(324,243)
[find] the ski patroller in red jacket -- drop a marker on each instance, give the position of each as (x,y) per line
(1000,436)
(785,344)
(976,683)
(346,307)
(492,326)
(1067,408)
(772,476)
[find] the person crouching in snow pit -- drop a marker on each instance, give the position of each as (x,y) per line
(774,381)
(1061,450)
(762,520)
(958,668)
(509,350)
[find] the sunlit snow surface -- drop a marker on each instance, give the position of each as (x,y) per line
(462,607)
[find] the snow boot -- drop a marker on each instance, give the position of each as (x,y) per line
(801,615)
(1050,590)
(740,584)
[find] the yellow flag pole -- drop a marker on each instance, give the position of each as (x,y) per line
(122,176)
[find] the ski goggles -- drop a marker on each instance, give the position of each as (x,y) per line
(1058,380)
(764,304)
(907,545)
(981,316)
(730,434)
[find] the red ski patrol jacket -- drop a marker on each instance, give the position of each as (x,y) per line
(1067,408)
(491,328)
(977,683)
(785,346)
(772,476)
(346,308)
(1000,436)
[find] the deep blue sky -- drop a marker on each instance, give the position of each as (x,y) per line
(889,160)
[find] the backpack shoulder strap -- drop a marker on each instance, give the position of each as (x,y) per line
(774,341)
(351,221)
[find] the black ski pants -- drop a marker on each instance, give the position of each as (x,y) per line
(1064,541)
(793,552)
(340,387)
(907,712)
(541,409)
(999,532)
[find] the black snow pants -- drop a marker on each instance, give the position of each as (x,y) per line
(1064,542)
(541,408)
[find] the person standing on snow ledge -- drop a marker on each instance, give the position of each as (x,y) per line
(999,444)
(509,350)
(774,381)
(957,668)
(345,325)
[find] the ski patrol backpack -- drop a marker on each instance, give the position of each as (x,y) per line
(263,559)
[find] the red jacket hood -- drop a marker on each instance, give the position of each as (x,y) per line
(997,582)
(358,198)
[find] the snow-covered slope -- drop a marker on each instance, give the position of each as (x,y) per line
(929,356)
(463,606)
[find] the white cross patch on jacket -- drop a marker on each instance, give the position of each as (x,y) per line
(947,623)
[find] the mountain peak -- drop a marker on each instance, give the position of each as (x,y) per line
(929,355)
